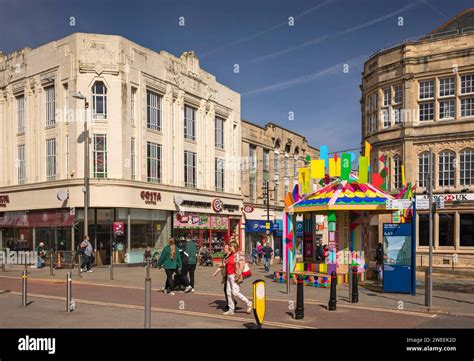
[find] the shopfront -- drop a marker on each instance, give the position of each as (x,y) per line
(257,231)
(453,237)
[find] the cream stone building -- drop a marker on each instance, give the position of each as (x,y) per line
(165,137)
(274,154)
(418,95)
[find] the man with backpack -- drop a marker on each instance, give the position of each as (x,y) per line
(86,249)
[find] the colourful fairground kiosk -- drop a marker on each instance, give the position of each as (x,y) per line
(348,201)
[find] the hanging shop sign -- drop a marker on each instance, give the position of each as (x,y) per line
(118,228)
(248,209)
(4,200)
(217,205)
(150,197)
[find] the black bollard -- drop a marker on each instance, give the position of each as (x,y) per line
(355,290)
(147,296)
(332,298)
(299,312)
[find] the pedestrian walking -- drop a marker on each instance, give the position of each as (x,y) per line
(170,260)
(234,266)
(379,261)
(86,248)
(259,251)
(41,255)
(221,269)
(267,256)
(191,251)
(147,256)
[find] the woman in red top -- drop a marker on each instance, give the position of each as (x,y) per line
(234,269)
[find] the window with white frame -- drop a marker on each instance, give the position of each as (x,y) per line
(51,159)
(252,162)
(276,166)
(397,172)
(426,111)
(386,117)
(50,105)
(266,164)
(219,132)
(397,115)
(423,168)
(99,100)
(372,109)
(276,198)
(21,164)
(20,113)
(426,89)
(132,158)
(467,167)
(153,158)
(219,176)
(447,109)
(189,123)
(153,111)
(467,107)
(100,156)
(387,97)
(398,97)
(446,168)
(190,169)
(133,105)
(447,87)
(467,84)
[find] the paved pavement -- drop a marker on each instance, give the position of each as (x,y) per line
(98,300)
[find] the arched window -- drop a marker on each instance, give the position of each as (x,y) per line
(99,100)
(446,168)
(423,168)
(295,164)
(397,172)
(467,167)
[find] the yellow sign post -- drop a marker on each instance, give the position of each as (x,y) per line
(259,299)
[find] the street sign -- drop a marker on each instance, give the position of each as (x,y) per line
(422,204)
(398,203)
(267,225)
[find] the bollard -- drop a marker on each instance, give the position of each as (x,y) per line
(4,263)
(51,273)
(69,307)
(79,275)
(24,290)
(26,266)
(299,311)
(148,296)
(355,288)
(332,298)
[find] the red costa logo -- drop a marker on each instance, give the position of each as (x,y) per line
(248,209)
(217,205)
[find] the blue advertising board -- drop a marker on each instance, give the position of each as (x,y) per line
(258,226)
(399,258)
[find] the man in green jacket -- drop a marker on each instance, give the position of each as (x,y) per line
(170,259)
(191,251)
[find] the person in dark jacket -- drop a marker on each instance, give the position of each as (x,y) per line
(191,251)
(170,260)
(379,261)
(267,256)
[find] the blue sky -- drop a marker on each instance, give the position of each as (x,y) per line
(282,68)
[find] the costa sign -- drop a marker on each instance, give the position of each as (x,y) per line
(248,209)
(217,205)
(150,197)
(4,199)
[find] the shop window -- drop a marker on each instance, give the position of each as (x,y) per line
(467,230)
(424,230)
(446,229)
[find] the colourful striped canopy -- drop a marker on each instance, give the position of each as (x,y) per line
(344,196)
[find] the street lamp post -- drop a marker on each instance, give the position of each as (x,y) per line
(78,95)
